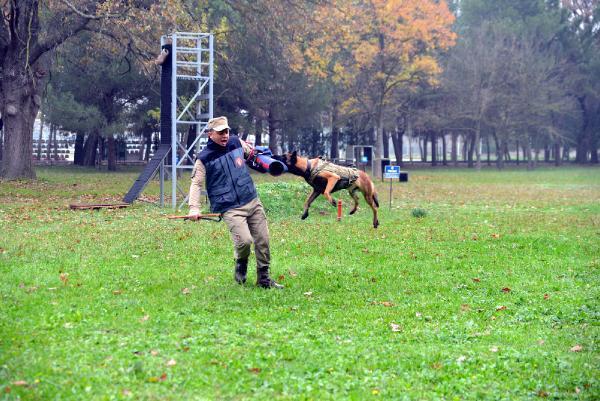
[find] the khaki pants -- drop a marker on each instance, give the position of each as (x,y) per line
(248,224)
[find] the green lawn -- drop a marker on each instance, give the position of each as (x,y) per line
(493,295)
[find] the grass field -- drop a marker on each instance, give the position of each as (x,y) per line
(493,295)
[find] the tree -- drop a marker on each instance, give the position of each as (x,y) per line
(378,48)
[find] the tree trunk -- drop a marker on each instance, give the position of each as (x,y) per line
(148,147)
(112,153)
(528,152)
(454,155)
(55,144)
(257,132)
(335,131)
(272,131)
(386,144)
(20,104)
(49,144)
(472,145)
(487,145)
(1,138)
(444,151)
(499,151)
(434,155)
(78,156)
(557,158)
(397,142)
(90,150)
(40,137)
(377,171)
(518,145)
(581,149)
(477,143)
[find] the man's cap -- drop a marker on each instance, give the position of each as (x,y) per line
(217,124)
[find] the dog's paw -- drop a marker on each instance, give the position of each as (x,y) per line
(333,203)
(304,215)
(352,212)
(376,224)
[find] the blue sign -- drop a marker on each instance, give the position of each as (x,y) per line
(391,172)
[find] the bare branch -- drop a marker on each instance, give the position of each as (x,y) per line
(88,16)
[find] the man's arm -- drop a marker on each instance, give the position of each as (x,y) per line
(198,175)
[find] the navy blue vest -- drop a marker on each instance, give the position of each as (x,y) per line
(228,181)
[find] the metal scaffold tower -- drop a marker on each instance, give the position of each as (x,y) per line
(192,73)
(186,105)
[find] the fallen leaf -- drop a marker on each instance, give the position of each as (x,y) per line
(117,292)
(501,307)
(126,392)
(546,296)
(577,390)
(474,237)
(20,383)
(436,365)
(64,277)
(185,291)
(281,277)
(171,362)
(395,327)
(541,342)
(465,307)
(542,394)
(387,304)
(375,391)
(418,314)
(7,389)
(506,290)
(576,348)
(308,293)
(254,370)
(292,273)
(461,359)
(144,318)
(365,250)
(494,349)
(163,377)
(495,236)
(476,279)
(154,352)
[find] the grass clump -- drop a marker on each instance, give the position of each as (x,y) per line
(419,213)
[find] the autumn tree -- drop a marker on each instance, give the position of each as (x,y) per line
(375,49)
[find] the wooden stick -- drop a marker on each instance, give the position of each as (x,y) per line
(196,216)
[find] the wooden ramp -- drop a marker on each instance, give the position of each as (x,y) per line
(89,206)
(147,174)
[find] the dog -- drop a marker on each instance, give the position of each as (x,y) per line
(326,177)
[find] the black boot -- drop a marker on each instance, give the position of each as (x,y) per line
(263,280)
(241,268)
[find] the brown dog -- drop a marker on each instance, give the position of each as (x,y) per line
(326,178)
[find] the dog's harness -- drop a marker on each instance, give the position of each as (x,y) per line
(345,173)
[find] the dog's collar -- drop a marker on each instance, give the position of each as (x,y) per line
(307,171)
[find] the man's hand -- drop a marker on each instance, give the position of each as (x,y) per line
(194,213)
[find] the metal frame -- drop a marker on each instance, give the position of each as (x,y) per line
(193,60)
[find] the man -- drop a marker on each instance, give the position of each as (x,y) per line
(231,192)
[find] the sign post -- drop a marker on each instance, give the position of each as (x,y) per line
(393,173)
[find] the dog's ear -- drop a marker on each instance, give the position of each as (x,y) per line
(294,158)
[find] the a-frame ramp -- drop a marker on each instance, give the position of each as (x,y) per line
(148,172)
